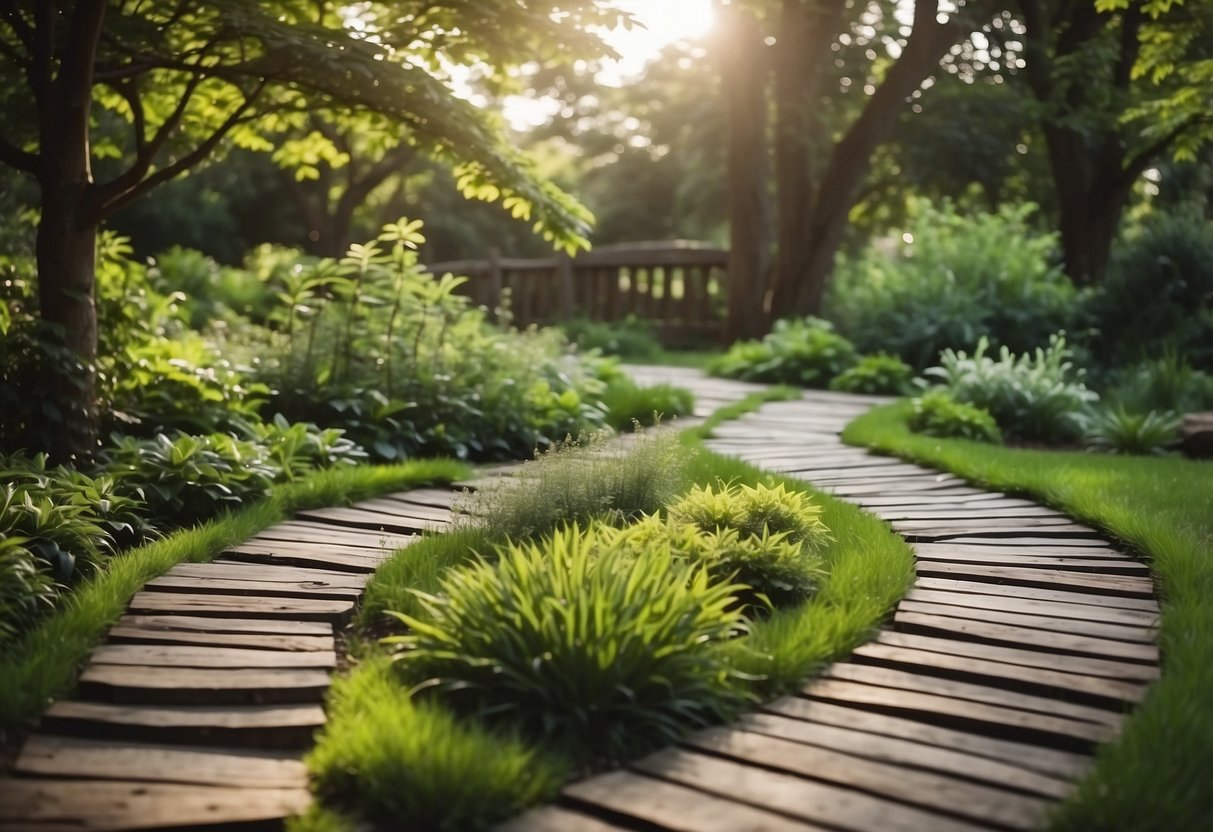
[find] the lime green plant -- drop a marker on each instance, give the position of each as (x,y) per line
(937,413)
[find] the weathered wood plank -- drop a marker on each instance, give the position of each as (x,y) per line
(929,790)
(1041,759)
(557,819)
(92,806)
(900,752)
(1118,566)
(1032,606)
(799,797)
(157,655)
(265,589)
(330,559)
(1072,626)
(1057,732)
(961,531)
(263,726)
(234,570)
(300,609)
(1048,640)
(369,520)
(1148,605)
(117,760)
(1027,657)
(671,806)
(986,671)
(135,685)
(437,497)
(122,634)
(1131,585)
(229,625)
(371,552)
(400,508)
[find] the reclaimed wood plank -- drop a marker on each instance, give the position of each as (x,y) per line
(963,532)
(1027,637)
(266,589)
(229,625)
(307,530)
(1118,566)
(159,655)
(48,756)
(1132,585)
(1147,605)
(92,806)
(261,553)
(975,511)
(1028,539)
(972,692)
(1052,762)
(262,726)
(369,520)
(1033,606)
(234,570)
(122,634)
(929,790)
(799,797)
(1111,669)
(400,508)
(987,671)
(1072,626)
(300,609)
(557,819)
(995,720)
(671,806)
(901,752)
(437,497)
(372,552)
(135,685)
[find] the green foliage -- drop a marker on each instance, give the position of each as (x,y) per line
(26,587)
(209,291)
(805,352)
(1166,383)
(594,644)
(1159,294)
(956,279)
(629,338)
(1120,431)
(1036,397)
(879,374)
(407,763)
(627,403)
(579,481)
(299,448)
(937,413)
(401,361)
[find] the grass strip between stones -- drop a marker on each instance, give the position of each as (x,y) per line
(1155,775)
(44,664)
(386,755)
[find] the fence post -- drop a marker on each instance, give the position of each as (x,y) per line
(564,274)
(496,283)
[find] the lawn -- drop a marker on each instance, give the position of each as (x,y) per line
(1155,776)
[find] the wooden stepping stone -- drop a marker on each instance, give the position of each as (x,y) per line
(437,497)
(799,797)
(298,609)
(1129,585)
(260,726)
(122,634)
(371,552)
(926,789)
(265,589)
(1017,755)
(234,570)
(1032,606)
(145,685)
(896,751)
(412,511)
(117,760)
(264,552)
(1072,626)
(304,531)
(158,655)
(1119,565)
(1147,605)
(105,806)
(358,518)
(228,625)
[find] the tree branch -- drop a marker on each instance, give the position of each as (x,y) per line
(15,157)
(1137,165)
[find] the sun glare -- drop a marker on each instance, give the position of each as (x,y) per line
(664,22)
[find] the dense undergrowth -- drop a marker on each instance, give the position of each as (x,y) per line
(1153,775)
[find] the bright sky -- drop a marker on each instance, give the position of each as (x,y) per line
(664,22)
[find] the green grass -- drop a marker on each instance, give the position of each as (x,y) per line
(43,665)
(628,402)
(871,568)
(1155,775)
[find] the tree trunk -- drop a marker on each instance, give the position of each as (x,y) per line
(743,72)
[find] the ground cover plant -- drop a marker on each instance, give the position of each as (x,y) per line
(1151,776)
(43,662)
(805,352)
(858,575)
(629,403)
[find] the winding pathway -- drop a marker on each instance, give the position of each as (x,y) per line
(1023,643)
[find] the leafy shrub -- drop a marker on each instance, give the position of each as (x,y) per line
(1119,431)
(752,511)
(578,481)
(1159,293)
(211,292)
(627,403)
(1166,383)
(1035,397)
(805,352)
(26,589)
(956,279)
(878,374)
(937,413)
(186,479)
(298,448)
(593,644)
(630,338)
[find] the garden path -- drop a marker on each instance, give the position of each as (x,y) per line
(1022,645)
(1023,642)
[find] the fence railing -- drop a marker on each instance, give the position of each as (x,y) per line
(676,287)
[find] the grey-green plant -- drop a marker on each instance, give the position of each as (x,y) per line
(937,413)
(1038,396)
(1120,431)
(596,645)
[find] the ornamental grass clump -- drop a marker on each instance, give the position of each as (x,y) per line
(596,645)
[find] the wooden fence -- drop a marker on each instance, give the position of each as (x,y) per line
(676,287)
